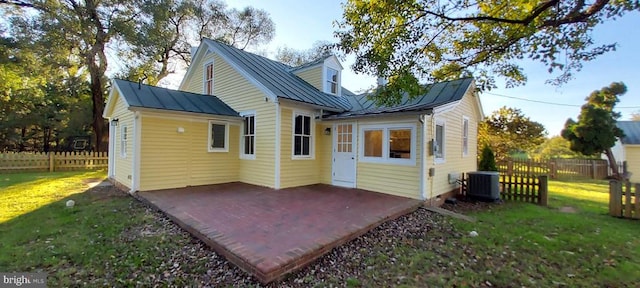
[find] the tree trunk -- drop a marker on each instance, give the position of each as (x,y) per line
(98,106)
(612,164)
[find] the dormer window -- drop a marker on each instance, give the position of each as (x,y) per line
(332,81)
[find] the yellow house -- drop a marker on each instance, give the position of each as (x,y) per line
(286,126)
(627,149)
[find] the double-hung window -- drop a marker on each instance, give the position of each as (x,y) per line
(465,136)
(389,143)
(123,141)
(302,137)
(218,137)
(249,136)
(208,78)
(439,149)
(332,81)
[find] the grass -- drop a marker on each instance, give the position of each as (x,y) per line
(105,240)
(111,239)
(527,245)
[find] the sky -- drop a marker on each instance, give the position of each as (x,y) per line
(298,24)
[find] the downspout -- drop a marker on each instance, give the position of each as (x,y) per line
(276,182)
(423,160)
(135,182)
(433,128)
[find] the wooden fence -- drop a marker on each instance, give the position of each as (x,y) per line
(521,188)
(556,168)
(624,200)
(53,161)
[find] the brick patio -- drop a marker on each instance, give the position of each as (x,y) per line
(270,233)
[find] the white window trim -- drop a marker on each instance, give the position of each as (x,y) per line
(325,80)
(226,137)
(124,139)
(255,132)
(204,77)
(312,140)
(385,144)
(443,123)
(465,152)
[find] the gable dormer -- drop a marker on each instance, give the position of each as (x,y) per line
(325,74)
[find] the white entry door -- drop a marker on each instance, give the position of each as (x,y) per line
(344,155)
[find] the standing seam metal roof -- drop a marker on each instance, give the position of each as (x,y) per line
(278,78)
(147,96)
(631,131)
(437,94)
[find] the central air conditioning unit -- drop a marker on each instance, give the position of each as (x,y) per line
(484,185)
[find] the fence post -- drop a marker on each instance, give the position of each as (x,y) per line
(615,198)
(510,166)
(51,159)
(543,190)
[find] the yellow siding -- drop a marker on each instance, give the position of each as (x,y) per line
(313,76)
(632,153)
(123,166)
(454,161)
(400,180)
(324,152)
(235,90)
(171,159)
(296,172)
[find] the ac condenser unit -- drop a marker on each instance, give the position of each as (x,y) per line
(484,185)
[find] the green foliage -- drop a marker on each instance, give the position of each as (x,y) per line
(556,147)
(596,130)
(442,40)
(508,130)
(293,57)
(487,160)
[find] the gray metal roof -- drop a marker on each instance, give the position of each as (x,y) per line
(437,94)
(310,64)
(278,78)
(631,132)
(146,96)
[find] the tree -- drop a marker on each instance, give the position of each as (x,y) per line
(556,147)
(164,38)
(596,132)
(411,41)
(84,27)
(293,57)
(508,130)
(487,160)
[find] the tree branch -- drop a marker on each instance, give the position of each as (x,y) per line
(525,21)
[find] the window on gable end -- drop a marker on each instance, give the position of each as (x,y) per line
(208,78)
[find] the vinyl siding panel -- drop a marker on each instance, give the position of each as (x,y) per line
(297,172)
(123,166)
(394,179)
(235,90)
(454,162)
(313,76)
(632,154)
(324,152)
(171,159)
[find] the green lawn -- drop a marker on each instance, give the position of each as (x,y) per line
(526,245)
(107,239)
(111,239)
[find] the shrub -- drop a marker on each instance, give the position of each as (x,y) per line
(487,160)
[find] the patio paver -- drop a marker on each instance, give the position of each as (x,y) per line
(270,233)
